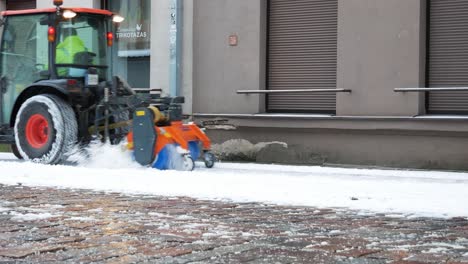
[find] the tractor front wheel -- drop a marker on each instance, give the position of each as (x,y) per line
(46,129)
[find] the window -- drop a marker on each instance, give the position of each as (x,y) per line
(81,44)
(132,53)
(24,56)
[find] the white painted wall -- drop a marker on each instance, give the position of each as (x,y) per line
(69,3)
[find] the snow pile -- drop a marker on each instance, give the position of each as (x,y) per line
(240,149)
(393,192)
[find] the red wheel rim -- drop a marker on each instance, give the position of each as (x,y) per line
(37,131)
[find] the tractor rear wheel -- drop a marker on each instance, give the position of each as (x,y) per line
(46,129)
(15,151)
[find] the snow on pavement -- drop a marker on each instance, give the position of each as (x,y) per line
(393,192)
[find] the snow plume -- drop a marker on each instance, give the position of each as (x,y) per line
(103,155)
(240,149)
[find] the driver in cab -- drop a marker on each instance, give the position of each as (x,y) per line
(66,52)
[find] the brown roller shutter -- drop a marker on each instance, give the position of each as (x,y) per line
(448,55)
(302,54)
(20,4)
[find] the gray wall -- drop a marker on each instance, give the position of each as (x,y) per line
(385,148)
(159,73)
(380,47)
(160,59)
(219,70)
(187,56)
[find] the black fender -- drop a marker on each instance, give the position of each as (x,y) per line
(55,87)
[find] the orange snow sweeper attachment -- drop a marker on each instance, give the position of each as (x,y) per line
(163,141)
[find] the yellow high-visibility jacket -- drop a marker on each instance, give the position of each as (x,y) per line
(66,50)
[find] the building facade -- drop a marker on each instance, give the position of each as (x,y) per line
(319,75)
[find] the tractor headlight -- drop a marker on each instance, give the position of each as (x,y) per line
(117,19)
(68,14)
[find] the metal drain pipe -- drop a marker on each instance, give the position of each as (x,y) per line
(175,47)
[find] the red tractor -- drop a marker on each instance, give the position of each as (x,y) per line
(57,87)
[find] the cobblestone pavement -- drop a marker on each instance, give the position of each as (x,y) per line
(44,225)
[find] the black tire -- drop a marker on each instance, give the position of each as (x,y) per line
(56,138)
(209,158)
(188,163)
(15,151)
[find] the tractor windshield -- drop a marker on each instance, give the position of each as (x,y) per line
(81,44)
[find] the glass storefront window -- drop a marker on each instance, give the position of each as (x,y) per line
(132,48)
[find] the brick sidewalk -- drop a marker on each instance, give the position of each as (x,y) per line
(43,225)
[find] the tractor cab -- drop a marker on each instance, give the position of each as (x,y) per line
(67,49)
(81,43)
